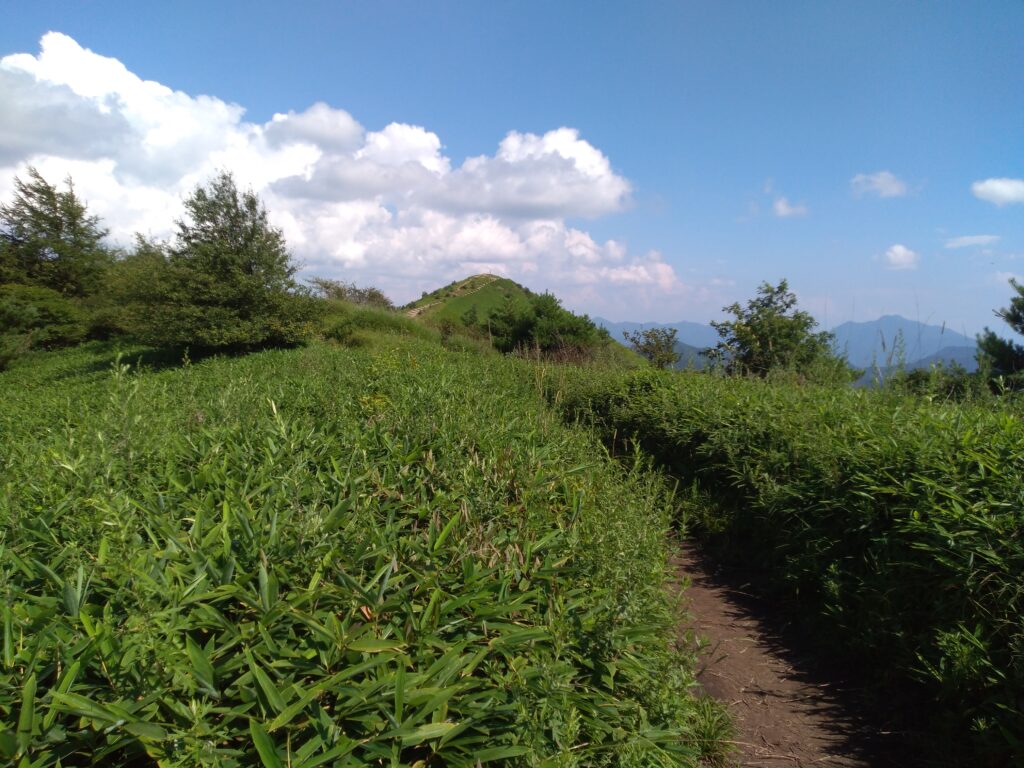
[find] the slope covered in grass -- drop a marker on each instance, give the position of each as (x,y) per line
(390,555)
(485,293)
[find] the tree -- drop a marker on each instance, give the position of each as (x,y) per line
(770,333)
(658,345)
(1006,357)
(47,238)
(227,281)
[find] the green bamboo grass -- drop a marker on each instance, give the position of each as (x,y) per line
(390,555)
(898,521)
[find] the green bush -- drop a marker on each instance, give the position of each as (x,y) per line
(41,316)
(541,325)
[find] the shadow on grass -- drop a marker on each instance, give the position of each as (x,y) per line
(107,354)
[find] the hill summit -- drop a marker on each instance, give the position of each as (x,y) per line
(483,292)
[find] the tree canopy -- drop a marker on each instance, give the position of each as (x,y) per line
(657,345)
(226,281)
(48,238)
(770,333)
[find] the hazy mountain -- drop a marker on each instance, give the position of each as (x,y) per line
(875,342)
(962,356)
(865,344)
(690,334)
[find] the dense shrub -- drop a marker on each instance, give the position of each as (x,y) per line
(540,325)
(33,317)
(896,520)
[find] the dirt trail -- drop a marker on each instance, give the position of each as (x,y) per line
(786,712)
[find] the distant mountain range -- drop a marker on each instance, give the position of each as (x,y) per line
(876,343)
(865,345)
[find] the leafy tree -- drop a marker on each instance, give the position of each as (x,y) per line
(1006,357)
(48,238)
(226,282)
(658,345)
(770,333)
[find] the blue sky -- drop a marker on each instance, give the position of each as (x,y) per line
(871,153)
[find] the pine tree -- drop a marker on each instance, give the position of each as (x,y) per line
(1006,357)
(48,238)
(227,280)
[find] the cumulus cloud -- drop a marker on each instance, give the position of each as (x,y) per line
(785,210)
(999,191)
(882,183)
(900,257)
(387,206)
(971,241)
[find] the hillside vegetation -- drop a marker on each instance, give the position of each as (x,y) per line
(481,294)
(892,522)
(383,555)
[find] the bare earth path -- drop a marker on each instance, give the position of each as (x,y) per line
(785,712)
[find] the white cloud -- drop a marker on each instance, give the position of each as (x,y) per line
(900,257)
(882,183)
(784,209)
(1005,277)
(999,191)
(385,206)
(320,125)
(971,241)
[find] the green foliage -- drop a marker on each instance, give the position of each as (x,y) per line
(479,295)
(656,345)
(48,239)
(338,290)
(541,325)
(771,334)
(348,323)
(33,317)
(894,520)
(940,382)
(1006,357)
(389,555)
(227,282)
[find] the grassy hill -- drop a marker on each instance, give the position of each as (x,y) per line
(381,554)
(484,292)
